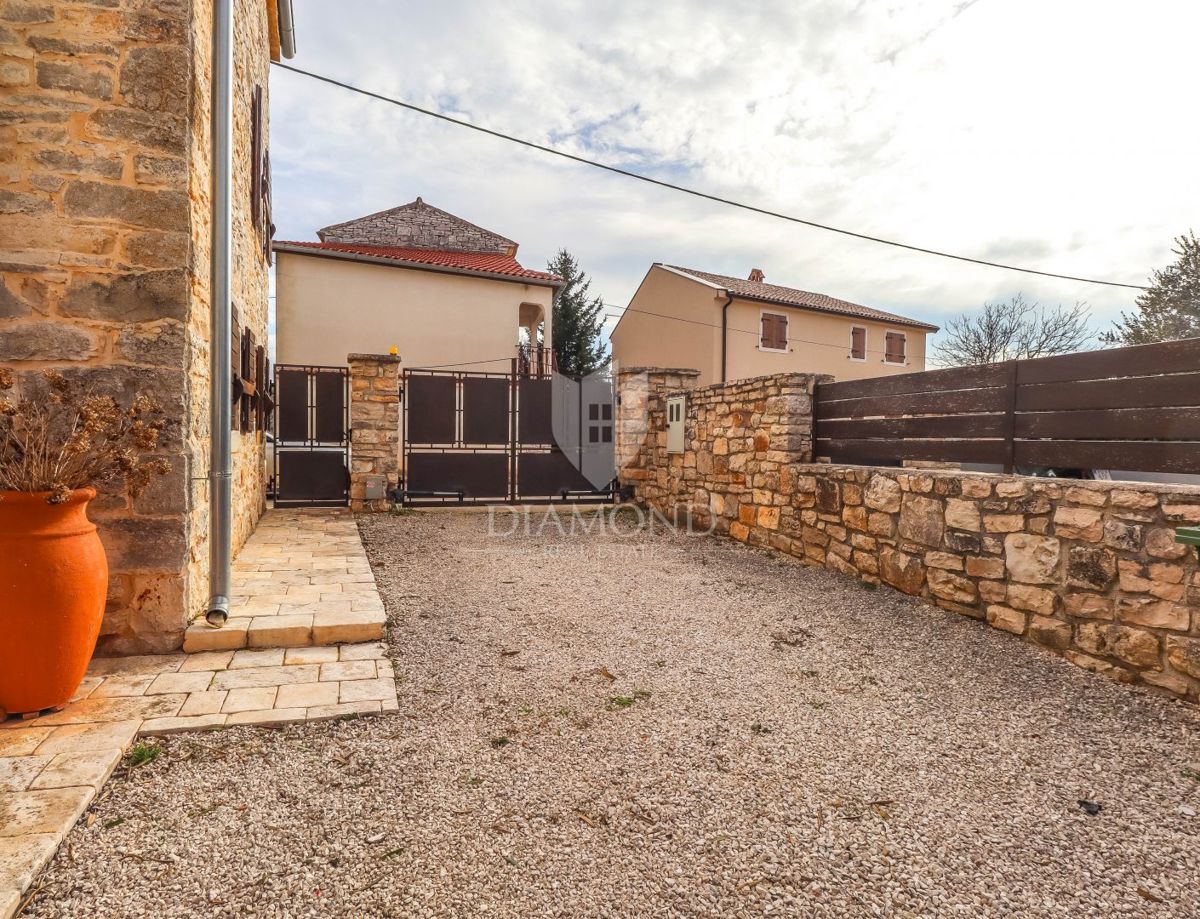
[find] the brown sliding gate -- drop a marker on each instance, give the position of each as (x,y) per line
(486,438)
(1132,408)
(312,436)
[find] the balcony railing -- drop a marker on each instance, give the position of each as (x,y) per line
(535,362)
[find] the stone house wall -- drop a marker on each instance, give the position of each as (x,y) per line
(417,225)
(104,258)
(1087,570)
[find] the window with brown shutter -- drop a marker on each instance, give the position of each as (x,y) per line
(858,343)
(260,174)
(894,348)
(774,332)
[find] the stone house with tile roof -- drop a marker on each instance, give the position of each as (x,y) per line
(443,291)
(105,248)
(732,328)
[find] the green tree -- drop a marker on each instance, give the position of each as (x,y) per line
(1170,309)
(577,320)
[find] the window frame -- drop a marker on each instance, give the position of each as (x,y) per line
(866,344)
(904,339)
(786,325)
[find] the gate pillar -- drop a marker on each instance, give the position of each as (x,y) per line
(374,429)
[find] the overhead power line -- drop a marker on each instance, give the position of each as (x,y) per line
(693,191)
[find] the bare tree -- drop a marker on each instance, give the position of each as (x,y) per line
(1012,329)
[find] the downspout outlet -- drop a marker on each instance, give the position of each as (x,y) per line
(218,612)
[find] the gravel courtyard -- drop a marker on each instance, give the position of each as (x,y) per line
(662,726)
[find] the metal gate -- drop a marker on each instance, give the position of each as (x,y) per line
(312,436)
(485,438)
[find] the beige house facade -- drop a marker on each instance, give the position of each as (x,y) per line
(441,291)
(735,328)
(105,247)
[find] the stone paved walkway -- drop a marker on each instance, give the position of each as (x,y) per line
(302,579)
(51,768)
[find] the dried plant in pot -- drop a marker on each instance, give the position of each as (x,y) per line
(59,442)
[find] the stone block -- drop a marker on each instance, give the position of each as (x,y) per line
(150,129)
(1184,655)
(1083,523)
(338,627)
(140,297)
(1092,567)
(921,520)
(283,631)
(883,494)
(1156,614)
(1132,646)
(139,207)
(76,78)
(47,341)
(181,723)
(963,515)
(1122,535)
(155,79)
(1088,606)
(904,572)
(76,769)
(982,566)
(1032,559)
(1033,599)
(202,637)
(1160,543)
(950,586)
(1003,523)
(1050,632)
(1008,620)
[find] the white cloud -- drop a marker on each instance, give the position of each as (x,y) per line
(1054,135)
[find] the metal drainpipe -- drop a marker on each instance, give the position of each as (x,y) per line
(220,461)
(287,29)
(725,333)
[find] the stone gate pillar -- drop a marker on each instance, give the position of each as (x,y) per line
(374,429)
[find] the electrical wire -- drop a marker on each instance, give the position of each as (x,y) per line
(696,192)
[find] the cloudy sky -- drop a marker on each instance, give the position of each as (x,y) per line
(1057,134)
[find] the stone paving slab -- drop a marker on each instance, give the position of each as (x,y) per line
(302,579)
(51,768)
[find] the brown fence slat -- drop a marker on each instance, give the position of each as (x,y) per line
(938,381)
(964,401)
(1113,424)
(1181,389)
(1164,357)
(1124,408)
(935,426)
(1143,456)
(950,451)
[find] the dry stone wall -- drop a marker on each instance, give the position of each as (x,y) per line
(1087,570)
(374,427)
(104,259)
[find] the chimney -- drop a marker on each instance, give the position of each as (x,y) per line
(757,275)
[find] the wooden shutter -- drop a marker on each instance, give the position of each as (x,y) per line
(774,331)
(894,349)
(858,343)
(256,159)
(235,366)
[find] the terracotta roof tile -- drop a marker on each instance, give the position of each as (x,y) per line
(481,262)
(774,293)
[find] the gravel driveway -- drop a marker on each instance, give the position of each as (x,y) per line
(663,726)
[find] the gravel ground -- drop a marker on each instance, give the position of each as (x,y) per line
(663,726)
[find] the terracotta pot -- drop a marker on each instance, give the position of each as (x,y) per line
(53,585)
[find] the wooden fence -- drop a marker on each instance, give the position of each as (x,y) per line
(1124,408)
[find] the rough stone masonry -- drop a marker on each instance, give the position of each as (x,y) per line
(1087,570)
(104,259)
